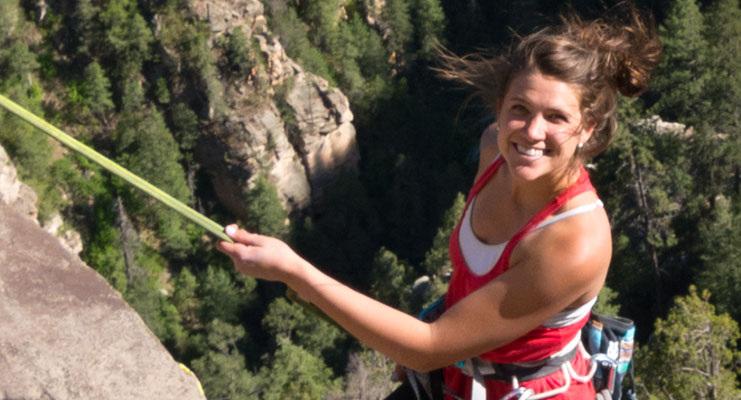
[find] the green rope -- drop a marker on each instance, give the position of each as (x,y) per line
(140,183)
(116,169)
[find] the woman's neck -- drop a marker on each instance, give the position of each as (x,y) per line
(531,196)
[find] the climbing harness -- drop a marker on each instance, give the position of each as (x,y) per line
(608,339)
(116,169)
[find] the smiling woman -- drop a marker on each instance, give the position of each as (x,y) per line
(532,249)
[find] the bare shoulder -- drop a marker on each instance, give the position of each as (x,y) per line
(488,149)
(571,255)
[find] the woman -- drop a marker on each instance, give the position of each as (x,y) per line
(533,246)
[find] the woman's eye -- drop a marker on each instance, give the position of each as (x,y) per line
(557,117)
(519,109)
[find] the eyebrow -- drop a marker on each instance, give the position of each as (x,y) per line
(549,109)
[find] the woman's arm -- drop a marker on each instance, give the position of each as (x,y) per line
(547,279)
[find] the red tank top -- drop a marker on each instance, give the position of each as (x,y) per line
(541,342)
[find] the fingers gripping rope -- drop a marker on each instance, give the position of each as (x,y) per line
(171,202)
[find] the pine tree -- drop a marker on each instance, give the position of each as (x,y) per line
(284,319)
(222,369)
(397,15)
(185,299)
(391,280)
(720,253)
(683,73)
(294,373)
(692,353)
(146,147)
(126,38)
(645,180)
(221,296)
(429,24)
(723,35)
(95,91)
(265,213)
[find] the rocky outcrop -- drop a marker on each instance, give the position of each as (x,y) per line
(22,198)
(280,120)
(661,127)
(66,334)
(13,192)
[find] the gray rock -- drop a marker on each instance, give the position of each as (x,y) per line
(66,334)
(12,191)
(294,128)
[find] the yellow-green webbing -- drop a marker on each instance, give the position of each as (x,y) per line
(116,169)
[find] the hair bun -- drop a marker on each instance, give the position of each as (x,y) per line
(628,45)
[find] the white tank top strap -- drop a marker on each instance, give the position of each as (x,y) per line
(568,317)
(585,208)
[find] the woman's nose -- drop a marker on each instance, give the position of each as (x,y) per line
(536,127)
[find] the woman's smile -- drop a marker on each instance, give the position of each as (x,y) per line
(539,123)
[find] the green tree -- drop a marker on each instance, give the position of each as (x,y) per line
(430,23)
(146,147)
(102,250)
(293,32)
(285,319)
(645,198)
(390,280)
(222,369)
(238,53)
(720,254)
(185,299)
(681,76)
(397,15)
(606,302)
(265,213)
(723,35)
(692,353)
(95,91)
(126,38)
(223,297)
(296,374)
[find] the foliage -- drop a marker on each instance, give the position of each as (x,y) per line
(221,296)
(683,73)
(390,279)
(295,373)
(265,214)
(721,256)
(222,370)
(287,320)
(147,148)
(144,82)
(367,376)
(692,352)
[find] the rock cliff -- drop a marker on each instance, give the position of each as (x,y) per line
(66,333)
(279,120)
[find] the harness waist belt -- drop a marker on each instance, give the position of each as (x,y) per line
(478,368)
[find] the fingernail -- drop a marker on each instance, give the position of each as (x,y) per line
(231,230)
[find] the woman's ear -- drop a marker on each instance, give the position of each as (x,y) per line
(586,133)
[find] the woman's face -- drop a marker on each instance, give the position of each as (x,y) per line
(540,126)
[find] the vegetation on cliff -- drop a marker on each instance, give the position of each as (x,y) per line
(139,81)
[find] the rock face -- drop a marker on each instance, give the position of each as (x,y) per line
(22,198)
(66,334)
(13,192)
(661,127)
(280,120)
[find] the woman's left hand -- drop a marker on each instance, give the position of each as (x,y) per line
(262,257)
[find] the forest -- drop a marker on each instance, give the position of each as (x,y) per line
(96,69)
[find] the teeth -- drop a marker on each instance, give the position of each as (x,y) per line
(529,151)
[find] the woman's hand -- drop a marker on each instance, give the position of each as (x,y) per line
(260,256)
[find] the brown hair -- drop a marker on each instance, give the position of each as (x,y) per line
(602,57)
